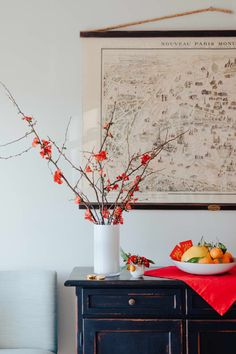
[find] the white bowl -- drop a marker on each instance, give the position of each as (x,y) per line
(204,269)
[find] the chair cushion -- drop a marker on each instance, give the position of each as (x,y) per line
(24,351)
(27,312)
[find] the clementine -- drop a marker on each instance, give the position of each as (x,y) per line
(216,252)
(227,257)
(205,260)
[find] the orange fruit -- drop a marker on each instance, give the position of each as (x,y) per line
(216,252)
(230,255)
(132,268)
(227,257)
(205,260)
(217,260)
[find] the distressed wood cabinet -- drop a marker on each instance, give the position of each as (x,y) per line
(147,316)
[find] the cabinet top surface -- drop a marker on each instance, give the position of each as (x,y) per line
(78,277)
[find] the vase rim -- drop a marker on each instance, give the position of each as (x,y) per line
(107,225)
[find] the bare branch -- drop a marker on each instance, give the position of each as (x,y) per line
(108,128)
(16,140)
(65,138)
(11,98)
(16,155)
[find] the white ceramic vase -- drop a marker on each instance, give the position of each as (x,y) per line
(107,250)
(138,272)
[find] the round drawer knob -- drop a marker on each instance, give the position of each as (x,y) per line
(131,302)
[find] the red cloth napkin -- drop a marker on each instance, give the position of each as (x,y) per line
(219,291)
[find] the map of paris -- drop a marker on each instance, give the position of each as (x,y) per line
(161,92)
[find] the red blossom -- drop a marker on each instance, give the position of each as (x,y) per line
(88,169)
(108,186)
(118,220)
(88,215)
(77,199)
(146,262)
(28,119)
(46,152)
(106,125)
(145,158)
(35,142)
(118,211)
(46,149)
(128,206)
(135,259)
(102,155)
(123,177)
(136,182)
(45,142)
(105,213)
(57,176)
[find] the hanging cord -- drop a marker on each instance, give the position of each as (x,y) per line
(193,12)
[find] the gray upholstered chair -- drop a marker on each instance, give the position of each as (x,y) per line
(28,312)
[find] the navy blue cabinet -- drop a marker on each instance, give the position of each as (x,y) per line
(147,316)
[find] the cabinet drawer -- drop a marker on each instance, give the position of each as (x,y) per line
(197,307)
(124,302)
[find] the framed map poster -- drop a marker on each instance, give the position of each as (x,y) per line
(167,83)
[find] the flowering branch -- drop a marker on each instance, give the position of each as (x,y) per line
(95,171)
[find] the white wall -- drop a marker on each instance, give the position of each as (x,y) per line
(40,62)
